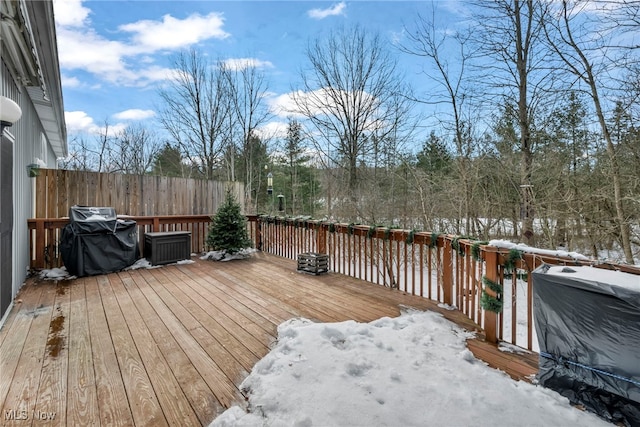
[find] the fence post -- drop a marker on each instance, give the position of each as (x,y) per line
(259,234)
(321,238)
(491,318)
(447,271)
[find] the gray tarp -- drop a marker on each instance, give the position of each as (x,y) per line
(588,326)
(96,242)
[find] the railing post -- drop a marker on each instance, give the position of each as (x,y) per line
(40,237)
(258,229)
(447,272)
(156,224)
(491,318)
(321,238)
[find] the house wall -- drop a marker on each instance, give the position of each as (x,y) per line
(28,135)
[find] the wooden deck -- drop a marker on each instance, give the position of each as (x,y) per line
(169,346)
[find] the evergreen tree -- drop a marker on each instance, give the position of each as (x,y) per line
(228,232)
(434,158)
(168,161)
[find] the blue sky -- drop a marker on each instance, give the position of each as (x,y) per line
(115,54)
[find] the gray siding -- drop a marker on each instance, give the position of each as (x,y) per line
(28,135)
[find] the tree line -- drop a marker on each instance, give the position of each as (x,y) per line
(533,133)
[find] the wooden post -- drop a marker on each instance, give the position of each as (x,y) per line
(491,318)
(258,234)
(321,238)
(447,272)
(40,240)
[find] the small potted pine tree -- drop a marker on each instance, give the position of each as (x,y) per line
(228,233)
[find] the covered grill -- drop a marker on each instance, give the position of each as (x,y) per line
(96,242)
(588,325)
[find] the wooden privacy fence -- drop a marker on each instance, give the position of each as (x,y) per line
(137,195)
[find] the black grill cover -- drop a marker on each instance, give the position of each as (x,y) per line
(96,242)
(588,326)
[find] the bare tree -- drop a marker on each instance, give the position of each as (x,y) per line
(588,57)
(436,45)
(248,88)
(80,156)
(351,96)
(511,36)
(197,109)
(133,150)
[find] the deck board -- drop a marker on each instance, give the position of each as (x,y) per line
(170,346)
(22,391)
(52,391)
(113,405)
(82,400)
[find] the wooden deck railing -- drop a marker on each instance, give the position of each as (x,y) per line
(443,268)
(45,234)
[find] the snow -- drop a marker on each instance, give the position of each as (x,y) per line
(224,256)
(142,263)
(55,274)
(506,244)
(406,371)
(96,217)
(600,275)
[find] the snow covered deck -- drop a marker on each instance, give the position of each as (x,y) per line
(169,346)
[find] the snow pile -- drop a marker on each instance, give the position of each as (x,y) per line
(55,274)
(225,256)
(531,250)
(409,371)
(141,263)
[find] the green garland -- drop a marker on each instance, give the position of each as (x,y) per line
(434,239)
(387,233)
(332,227)
(371,232)
(489,302)
(510,261)
(455,243)
(410,237)
(350,228)
(476,253)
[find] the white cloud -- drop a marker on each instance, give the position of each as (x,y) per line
(335,10)
(284,105)
(243,63)
(322,102)
(78,122)
(80,47)
(70,13)
(156,74)
(173,33)
(86,50)
(68,82)
(134,114)
(272,130)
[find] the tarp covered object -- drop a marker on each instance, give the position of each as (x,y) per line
(96,242)
(588,324)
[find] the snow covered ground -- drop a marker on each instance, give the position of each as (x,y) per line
(413,370)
